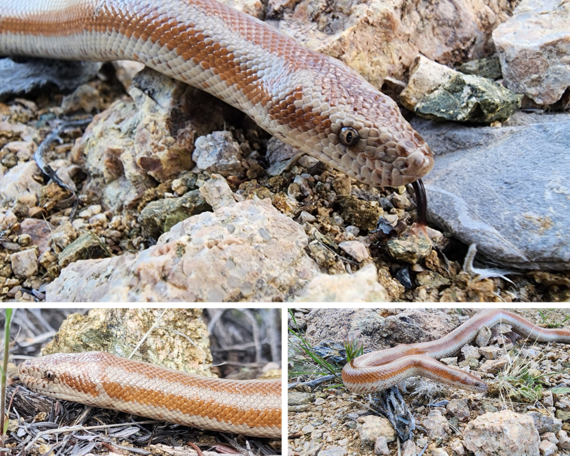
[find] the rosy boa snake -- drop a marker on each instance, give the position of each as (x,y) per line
(382,369)
(310,101)
(249,407)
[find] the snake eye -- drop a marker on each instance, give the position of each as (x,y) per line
(348,136)
(50,375)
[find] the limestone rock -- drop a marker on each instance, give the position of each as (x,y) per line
(248,251)
(502,434)
(534,45)
(380,39)
(119,331)
(361,286)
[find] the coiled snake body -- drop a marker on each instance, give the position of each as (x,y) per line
(249,407)
(310,101)
(382,369)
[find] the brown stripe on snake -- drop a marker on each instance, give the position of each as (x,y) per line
(385,368)
(308,100)
(249,407)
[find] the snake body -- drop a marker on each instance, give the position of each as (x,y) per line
(382,369)
(248,407)
(310,101)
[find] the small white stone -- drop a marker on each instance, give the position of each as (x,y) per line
(24,263)
(355,249)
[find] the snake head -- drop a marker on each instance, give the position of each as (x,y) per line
(380,147)
(344,121)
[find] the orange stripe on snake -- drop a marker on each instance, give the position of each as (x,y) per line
(310,101)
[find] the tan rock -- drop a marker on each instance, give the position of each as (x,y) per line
(380,39)
(247,251)
(534,45)
(505,433)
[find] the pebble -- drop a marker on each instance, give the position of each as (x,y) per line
(355,249)
(544,422)
(563,440)
(547,448)
(457,447)
(459,409)
(24,263)
(439,452)
(494,366)
(381,446)
(436,425)
(218,153)
(372,427)
(490,352)
(409,448)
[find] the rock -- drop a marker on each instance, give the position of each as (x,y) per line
(24,263)
(457,447)
(459,409)
(522,222)
(117,331)
(24,150)
(355,249)
(218,153)
(488,67)
(160,216)
(126,70)
(438,92)
(85,98)
(431,279)
(483,337)
(280,156)
(307,429)
(363,214)
(563,440)
(373,427)
(87,246)
(563,415)
(217,193)
(39,231)
(502,434)
(381,446)
(350,32)
(32,74)
(547,399)
(410,249)
(247,251)
(135,142)
(469,351)
(297,398)
(449,361)
(305,217)
(494,366)
(547,448)
(545,423)
(533,46)
(21,179)
(333,451)
(361,286)
(549,436)
(490,352)
(436,425)
(439,452)
(409,448)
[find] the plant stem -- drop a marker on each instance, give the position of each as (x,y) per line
(7,322)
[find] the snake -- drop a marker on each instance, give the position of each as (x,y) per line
(382,369)
(100,379)
(308,100)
